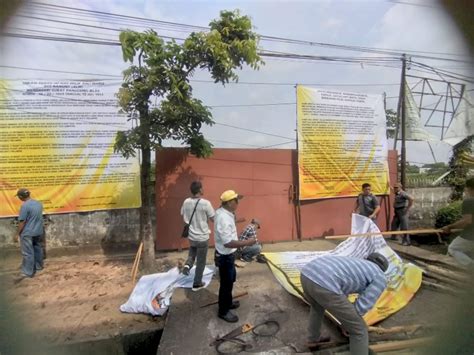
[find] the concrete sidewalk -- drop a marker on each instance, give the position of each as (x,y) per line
(191,328)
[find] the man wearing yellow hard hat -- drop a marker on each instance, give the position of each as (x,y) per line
(226,243)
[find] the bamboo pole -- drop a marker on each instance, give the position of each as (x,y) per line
(412,231)
(136,262)
(394,330)
(437,287)
(236,296)
(401,344)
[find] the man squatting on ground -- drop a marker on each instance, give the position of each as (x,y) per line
(198,231)
(328,280)
(367,204)
(226,243)
(30,232)
(462,247)
(247,253)
(401,206)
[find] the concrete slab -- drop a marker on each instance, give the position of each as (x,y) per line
(190,329)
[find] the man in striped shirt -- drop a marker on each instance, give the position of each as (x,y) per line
(328,280)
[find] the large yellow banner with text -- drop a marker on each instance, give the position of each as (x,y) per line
(341,143)
(57,141)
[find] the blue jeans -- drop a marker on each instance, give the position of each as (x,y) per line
(32,255)
(247,253)
(227,275)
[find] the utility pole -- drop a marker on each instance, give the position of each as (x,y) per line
(403,159)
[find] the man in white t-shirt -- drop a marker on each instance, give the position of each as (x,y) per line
(201,211)
(226,243)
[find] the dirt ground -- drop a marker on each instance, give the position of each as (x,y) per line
(78,298)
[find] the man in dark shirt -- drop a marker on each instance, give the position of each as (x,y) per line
(462,247)
(401,205)
(367,204)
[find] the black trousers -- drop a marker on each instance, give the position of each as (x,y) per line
(227,275)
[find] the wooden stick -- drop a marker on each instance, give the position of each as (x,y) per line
(215,302)
(437,287)
(413,231)
(137,262)
(395,330)
(401,344)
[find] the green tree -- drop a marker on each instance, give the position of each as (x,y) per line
(459,169)
(161,71)
(392,122)
(436,169)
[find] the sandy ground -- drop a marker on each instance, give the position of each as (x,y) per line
(74,299)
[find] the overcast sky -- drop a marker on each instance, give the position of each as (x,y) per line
(398,25)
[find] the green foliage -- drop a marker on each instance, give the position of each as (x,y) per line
(160,72)
(448,214)
(436,169)
(392,122)
(459,170)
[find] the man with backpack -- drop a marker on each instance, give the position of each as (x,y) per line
(196,212)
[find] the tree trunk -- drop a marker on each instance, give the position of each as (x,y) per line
(145,213)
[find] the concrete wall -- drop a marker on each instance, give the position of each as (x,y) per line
(265,178)
(108,230)
(427,202)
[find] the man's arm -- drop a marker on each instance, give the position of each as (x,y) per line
(21,225)
(376,209)
(356,206)
(465,220)
(411,200)
(371,294)
(240,243)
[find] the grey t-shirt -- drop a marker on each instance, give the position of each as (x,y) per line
(401,200)
(31,212)
(367,204)
(199,228)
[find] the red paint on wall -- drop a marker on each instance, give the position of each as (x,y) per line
(265,178)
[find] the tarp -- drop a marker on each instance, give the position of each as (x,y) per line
(57,140)
(414,129)
(341,143)
(462,124)
(403,279)
(152,293)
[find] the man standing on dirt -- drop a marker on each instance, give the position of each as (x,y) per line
(225,234)
(30,232)
(367,204)
(201,211)
(401,206)
(462,247)
(328,280)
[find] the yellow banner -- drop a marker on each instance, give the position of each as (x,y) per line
(57,140)
(403,279)
(341,143)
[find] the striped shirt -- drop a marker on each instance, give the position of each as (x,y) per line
(344,275)
(249,232)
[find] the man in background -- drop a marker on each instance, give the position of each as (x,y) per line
(201,211)
(402,204)
(30,232)
(462,247)
(367,204)
(247,253)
